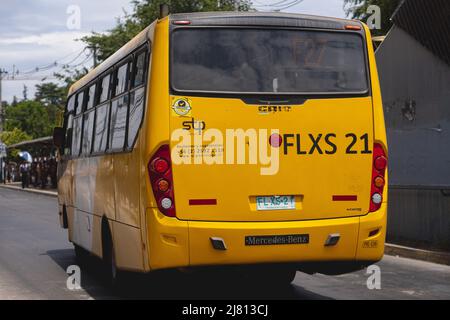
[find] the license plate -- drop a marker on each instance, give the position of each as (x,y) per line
(275,203)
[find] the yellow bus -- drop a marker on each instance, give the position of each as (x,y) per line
(229,139)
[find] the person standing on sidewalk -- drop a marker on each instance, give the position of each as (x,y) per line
(24,175)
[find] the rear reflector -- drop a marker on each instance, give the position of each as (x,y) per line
(202,202)
(345,198)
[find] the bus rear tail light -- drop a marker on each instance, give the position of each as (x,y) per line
(160,173)
(182,22)
(379,165)
(352,27)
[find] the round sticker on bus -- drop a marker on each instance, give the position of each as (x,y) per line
(181,106)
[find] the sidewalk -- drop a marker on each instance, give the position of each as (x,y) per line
(440,257)
(390,249)
(18,186)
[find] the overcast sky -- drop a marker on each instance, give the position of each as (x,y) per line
(35,33)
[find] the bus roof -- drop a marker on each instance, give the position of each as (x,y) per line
(263,19)
(129,47)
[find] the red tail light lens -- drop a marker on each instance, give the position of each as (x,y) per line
(160,165)
(160,173)
(380,163)
(379,166)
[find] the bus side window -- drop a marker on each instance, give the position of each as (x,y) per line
(101,129)
(69,130)
(88,128)
(104,89)
(79,103)
(137,96)
(118,124)
(121,78)
(90,98)
(68,123)
(70,104)
(77,131)
(139,69)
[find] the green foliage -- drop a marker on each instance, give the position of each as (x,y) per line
(357,9)
(12,137)
(144,13)
(31,117)
(50,94)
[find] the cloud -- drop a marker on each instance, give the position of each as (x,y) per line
(34,33)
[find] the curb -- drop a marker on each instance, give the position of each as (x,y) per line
(417,254)
(35,191)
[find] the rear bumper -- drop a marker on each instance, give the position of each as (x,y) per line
(175,243)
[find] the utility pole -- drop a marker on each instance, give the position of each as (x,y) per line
(2,72)
(2,146)
(94,54)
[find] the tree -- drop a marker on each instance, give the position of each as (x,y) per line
(357,9)
(12,137)
(144,13)
(50,94)
(30,117)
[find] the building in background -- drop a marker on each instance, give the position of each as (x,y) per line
(414,66)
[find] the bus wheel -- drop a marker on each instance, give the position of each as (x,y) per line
(112,274)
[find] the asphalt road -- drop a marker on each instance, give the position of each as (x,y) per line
(35,254)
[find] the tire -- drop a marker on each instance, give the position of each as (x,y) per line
(113,276)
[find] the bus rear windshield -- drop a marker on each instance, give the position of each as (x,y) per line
(267,61)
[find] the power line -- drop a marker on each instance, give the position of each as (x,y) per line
(280,5)
(260,4)
(40,72)
(52,65)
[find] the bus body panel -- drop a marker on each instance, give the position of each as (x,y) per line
(314,174)
(175,243)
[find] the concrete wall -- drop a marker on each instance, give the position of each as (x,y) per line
(415,86)
(419,218)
